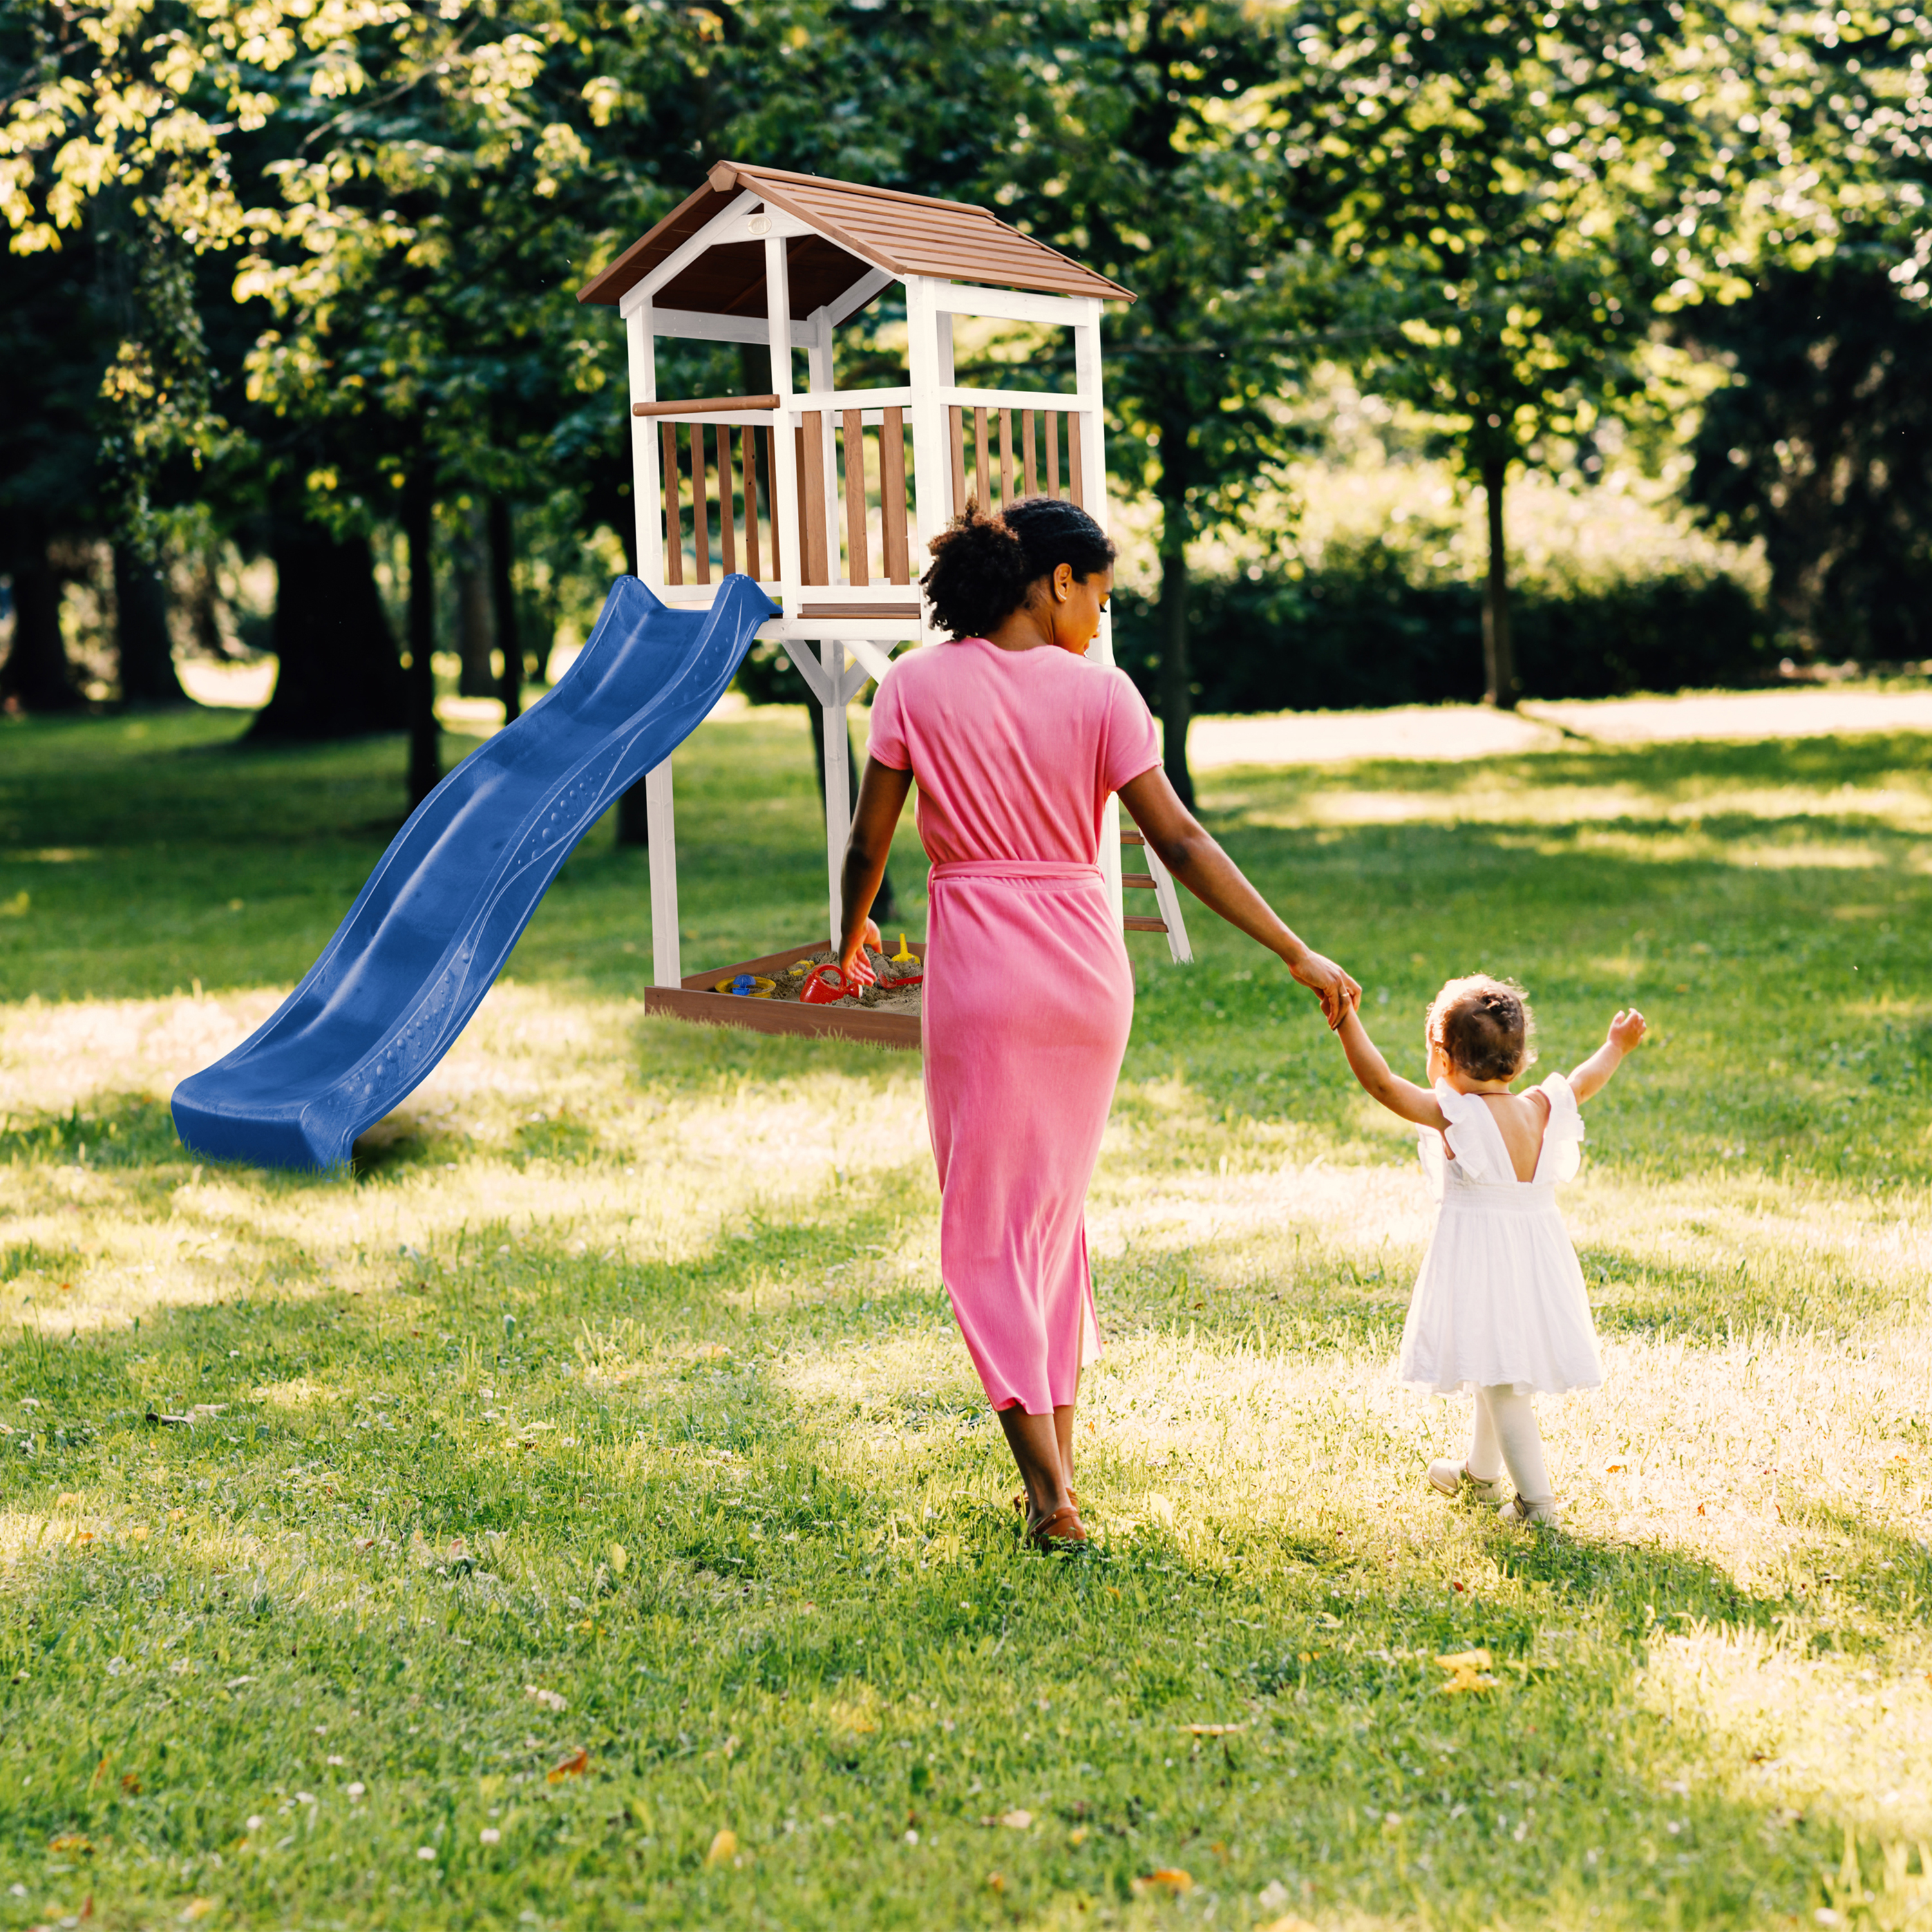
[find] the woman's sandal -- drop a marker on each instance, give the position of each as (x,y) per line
(1063,1529)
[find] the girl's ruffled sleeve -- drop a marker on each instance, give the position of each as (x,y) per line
(1563,1138)
(1472,1135)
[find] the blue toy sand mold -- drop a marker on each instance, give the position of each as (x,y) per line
(429,933)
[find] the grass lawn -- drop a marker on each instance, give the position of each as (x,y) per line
(585,1514)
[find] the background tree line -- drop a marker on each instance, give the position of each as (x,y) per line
(298,278)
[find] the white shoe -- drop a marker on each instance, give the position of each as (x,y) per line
(1452,1478)
(1516,1509)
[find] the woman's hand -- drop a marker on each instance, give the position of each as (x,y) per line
(853,964)
(1337,991)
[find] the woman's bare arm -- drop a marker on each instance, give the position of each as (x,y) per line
(882,797)
(1402,1097)
(1187,850)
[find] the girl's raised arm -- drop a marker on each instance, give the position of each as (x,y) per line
(1593,1075)
(1402,1098)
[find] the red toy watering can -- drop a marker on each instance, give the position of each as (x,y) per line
(825,985)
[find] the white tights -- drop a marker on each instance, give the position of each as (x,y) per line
(1506,1436)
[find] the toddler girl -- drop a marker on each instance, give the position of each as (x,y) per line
(1499,1307)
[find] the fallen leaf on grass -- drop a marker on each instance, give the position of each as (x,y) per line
(66,1499)
(1078,1836)
(619,1558)
(70,1841)
(724,1848)
(995,1882)
(1169,1878)
(572,1767)
(130,1784)
(196,1908)
(1468,1670)
(1017,1821)
(1213,1730)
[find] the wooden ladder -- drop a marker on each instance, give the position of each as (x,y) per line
(1159,880)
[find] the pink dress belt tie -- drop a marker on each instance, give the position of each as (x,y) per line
(1015,868)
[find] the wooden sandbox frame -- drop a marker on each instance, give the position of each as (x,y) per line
(761,257)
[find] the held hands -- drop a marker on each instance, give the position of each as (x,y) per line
(1627,1030)
(855,967)
(1337,991)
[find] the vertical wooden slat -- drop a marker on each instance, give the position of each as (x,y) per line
(1076,480)
(982,463)
(893,496)
(804,522)
(727,506)
(1006,459)
(811,496)
(770,436)
(700,505)
(1030,468)
(956,427)
(750,446)
(1052,419)
(674,520)
(858,563)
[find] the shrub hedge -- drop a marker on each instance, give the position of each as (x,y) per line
(1360,631)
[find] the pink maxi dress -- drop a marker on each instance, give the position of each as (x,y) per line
(1028,994)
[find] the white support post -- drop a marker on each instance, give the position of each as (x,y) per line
(818,365)
(784,455)
(647,472)
(929,370)
(838,792)
(662,831)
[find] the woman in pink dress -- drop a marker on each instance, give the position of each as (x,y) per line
(1016,742)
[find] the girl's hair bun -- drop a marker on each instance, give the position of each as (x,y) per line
(1484,1028)
(984,568)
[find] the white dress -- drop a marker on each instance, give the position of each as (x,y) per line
(1500,1297)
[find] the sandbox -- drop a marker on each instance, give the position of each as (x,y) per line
(887,1015)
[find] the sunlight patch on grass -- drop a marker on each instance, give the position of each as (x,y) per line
(1782,1724)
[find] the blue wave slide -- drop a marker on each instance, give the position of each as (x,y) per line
(430,932)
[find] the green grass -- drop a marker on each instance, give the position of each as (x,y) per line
(619,1371)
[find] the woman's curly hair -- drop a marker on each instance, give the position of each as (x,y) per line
(1484,1028)
(984,568)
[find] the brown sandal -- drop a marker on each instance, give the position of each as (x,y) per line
(1063,1529)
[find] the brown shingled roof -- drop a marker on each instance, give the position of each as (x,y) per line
(858,228)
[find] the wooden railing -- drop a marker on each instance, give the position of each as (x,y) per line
(853,525)
(1040,431)
(738,462)
(854,512)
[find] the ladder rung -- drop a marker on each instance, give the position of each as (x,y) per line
(1143,880)
(1132,838)
(1144,925)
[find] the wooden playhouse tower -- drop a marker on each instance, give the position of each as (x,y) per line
(827,496)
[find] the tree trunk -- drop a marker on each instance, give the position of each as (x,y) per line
(475,632)
(885,901)
(1177,693)
(338,674)
(633,821)
(425,749)
(503,596)
(1498,653)
(37,676)
(141,631)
